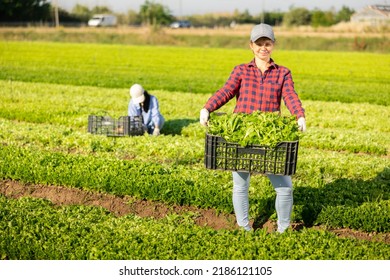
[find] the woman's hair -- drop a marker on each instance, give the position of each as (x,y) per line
(261,40)
(146,101)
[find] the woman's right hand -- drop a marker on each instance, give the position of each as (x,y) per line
(302,124)
(204,116)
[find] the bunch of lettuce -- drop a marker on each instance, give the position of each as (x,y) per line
(258,128)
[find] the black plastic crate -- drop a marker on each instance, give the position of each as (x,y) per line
(281,160)
(124,126)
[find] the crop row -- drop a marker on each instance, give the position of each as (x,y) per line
(331,126)
(199,70)
(190,185)
(34,229)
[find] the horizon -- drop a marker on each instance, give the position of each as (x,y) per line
(187,8)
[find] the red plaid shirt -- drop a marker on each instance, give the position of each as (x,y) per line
(256,91)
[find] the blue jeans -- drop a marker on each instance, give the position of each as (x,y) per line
(283,203)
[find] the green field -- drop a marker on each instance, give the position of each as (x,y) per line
(328,76)
(47,91)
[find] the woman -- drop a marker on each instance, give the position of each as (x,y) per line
(146,105)
(259,85)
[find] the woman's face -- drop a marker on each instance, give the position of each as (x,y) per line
(262,48)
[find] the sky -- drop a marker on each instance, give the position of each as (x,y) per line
(191,7)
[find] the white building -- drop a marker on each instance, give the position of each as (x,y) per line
(373,14)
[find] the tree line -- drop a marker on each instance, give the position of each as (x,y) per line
(151,13)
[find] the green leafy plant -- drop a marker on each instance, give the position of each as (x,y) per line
(33,229)
(258,128)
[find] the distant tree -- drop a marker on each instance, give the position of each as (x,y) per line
(296,17)
(155,14)
(65,16)
(205,20)
(222,20)
(321,18)
(272,18)
(24,10)
(133,18)
(212,20)
(101,10)
(243,18)
(82,12)
(344,14)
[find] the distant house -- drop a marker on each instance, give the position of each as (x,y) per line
(373,14)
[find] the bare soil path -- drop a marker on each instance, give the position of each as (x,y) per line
(120,206)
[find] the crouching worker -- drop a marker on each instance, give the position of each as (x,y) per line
(146,105)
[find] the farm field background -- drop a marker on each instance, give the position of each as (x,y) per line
(48,89)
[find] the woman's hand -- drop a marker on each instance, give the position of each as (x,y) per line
(204,117)
(156,131)
(302,124)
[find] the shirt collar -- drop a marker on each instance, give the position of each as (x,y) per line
(272,63)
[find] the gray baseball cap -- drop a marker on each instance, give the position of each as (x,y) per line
(262,30)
